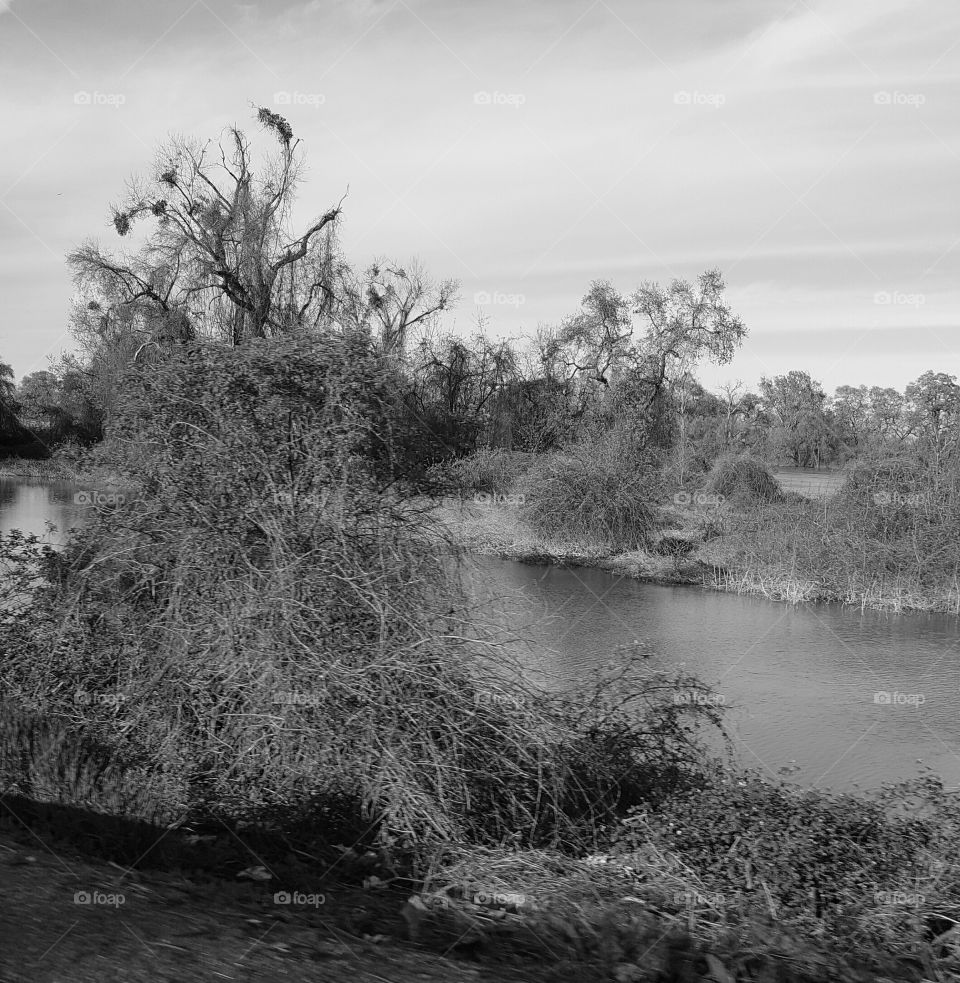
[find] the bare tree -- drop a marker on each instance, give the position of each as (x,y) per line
(393,300)
(219,253)
(732,399)
(685,324)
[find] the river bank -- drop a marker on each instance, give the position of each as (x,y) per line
(742,874)
(681,556)
(60,468)
(537,917)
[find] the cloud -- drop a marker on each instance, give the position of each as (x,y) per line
(817,33)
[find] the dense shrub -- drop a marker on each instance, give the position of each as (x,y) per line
(491,470)
(742,480)
(272,628)
(601,490)
(817,859)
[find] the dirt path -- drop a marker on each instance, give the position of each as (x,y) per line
(140,927)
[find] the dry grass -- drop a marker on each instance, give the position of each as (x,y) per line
(601,491)
(60,469)
(641,916)
(501,530)
(497,529)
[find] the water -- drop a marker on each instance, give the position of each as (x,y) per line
(800,682)
(28,504)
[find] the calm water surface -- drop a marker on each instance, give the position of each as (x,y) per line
(28,504)
(801,683)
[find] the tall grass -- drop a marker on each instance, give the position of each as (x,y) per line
(889,538)
(490,470)
(601,491)
(742,479)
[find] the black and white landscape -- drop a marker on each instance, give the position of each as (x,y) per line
(479,491)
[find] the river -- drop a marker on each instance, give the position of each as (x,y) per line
(804,686)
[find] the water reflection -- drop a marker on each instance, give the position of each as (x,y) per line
(851,697)
(29,504)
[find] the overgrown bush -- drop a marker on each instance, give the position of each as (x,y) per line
(270,628)
(742,480)
(892,498)
(491,470)
(845,865)
(601,490)
(889,538)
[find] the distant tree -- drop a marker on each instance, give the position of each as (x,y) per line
(457,389)
(851,418)
(685,324)
(889,420)
(15,438)
(9,407)
(587,352)
(934,400)
(61,404)
(796,405)
(701,427)
(393,300)
(39,396)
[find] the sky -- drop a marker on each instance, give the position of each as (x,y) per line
(809,150)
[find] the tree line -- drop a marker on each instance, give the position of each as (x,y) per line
(214,260)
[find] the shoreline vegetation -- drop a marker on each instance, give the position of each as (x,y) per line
(60,467)
(494,524)
(489,532)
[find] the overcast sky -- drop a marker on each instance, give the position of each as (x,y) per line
(810,150)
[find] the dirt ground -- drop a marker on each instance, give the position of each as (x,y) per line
(67,919)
